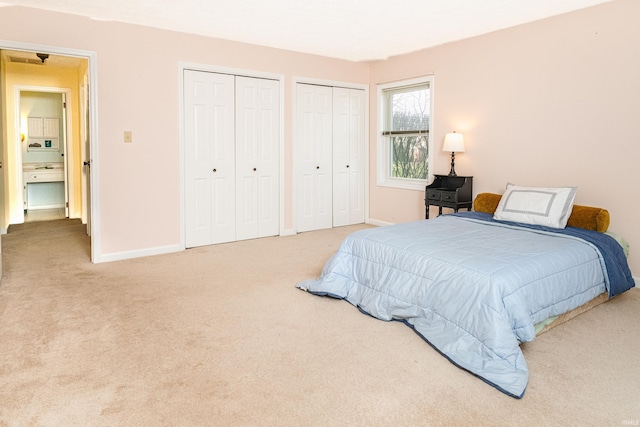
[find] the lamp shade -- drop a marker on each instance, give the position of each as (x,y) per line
(453,143)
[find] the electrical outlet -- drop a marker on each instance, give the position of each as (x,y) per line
(128,137)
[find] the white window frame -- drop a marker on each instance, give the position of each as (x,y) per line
(383,177)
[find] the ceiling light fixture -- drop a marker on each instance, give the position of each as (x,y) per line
(42,56)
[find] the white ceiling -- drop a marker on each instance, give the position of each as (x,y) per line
(357,30)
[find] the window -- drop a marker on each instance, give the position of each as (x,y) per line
(405,111)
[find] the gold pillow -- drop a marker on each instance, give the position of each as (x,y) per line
(586,217)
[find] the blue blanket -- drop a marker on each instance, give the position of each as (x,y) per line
(619,277)
(473,289)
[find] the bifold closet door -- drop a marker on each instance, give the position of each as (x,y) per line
(314,163)
(209,120)
(348,156)
(257,148)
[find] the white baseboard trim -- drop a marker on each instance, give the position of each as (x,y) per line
(120,256)
(377,222)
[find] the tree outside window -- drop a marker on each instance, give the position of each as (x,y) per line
(406,117)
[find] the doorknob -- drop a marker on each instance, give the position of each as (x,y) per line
(86,163)
(317,167)
(347,166)
(254,169)
(215,170)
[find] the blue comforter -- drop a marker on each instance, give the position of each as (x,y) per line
(472,287)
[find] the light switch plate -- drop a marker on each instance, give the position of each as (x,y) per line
(128,137)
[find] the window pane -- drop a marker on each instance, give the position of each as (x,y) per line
(410,156)
(410,110)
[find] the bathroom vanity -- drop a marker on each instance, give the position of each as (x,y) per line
(43,185)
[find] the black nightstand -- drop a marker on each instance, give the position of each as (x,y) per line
(448,191)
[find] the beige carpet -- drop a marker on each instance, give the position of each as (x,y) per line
(220,336)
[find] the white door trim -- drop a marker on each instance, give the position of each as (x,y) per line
(332,83)
(17,213)
(92,57)
(182,66)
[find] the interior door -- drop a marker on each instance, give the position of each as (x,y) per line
(314,159)
(210,158)
(257,155)
(65,157)
(85,153)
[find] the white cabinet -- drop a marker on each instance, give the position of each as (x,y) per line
(44,133)
(43,186)
(231,157)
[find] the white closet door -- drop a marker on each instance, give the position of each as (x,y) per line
(314,158)
(341,148)
(209,158)
(356,155)
(348,156)
(257,148)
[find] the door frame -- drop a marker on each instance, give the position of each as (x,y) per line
(17,212)
(92,71)
(295,171)
(207,68)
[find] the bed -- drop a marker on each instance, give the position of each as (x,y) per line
(474,285)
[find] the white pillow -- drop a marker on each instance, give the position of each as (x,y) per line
(550,207)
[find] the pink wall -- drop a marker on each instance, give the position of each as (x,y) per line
(138,91)
(551,103)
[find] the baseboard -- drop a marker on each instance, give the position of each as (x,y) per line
(120,256)
(377,222)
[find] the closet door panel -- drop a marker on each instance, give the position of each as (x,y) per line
(348,156)
(314,159)
(246,160)
(269,158)
(257,157)
(341,166)
(209,158)
(356,155)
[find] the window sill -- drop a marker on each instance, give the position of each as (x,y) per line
(405,184)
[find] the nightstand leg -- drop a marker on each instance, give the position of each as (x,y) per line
(439,210)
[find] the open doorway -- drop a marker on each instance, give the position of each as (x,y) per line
(46,122)
(47,179)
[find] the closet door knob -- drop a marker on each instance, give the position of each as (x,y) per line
(254,169)
(317,167)
(215,170)
(347,166)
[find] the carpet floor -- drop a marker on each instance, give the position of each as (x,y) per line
(220,336)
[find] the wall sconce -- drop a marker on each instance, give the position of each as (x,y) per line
(23,127)
(453,143)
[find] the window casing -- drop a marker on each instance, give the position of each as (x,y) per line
(405,111)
